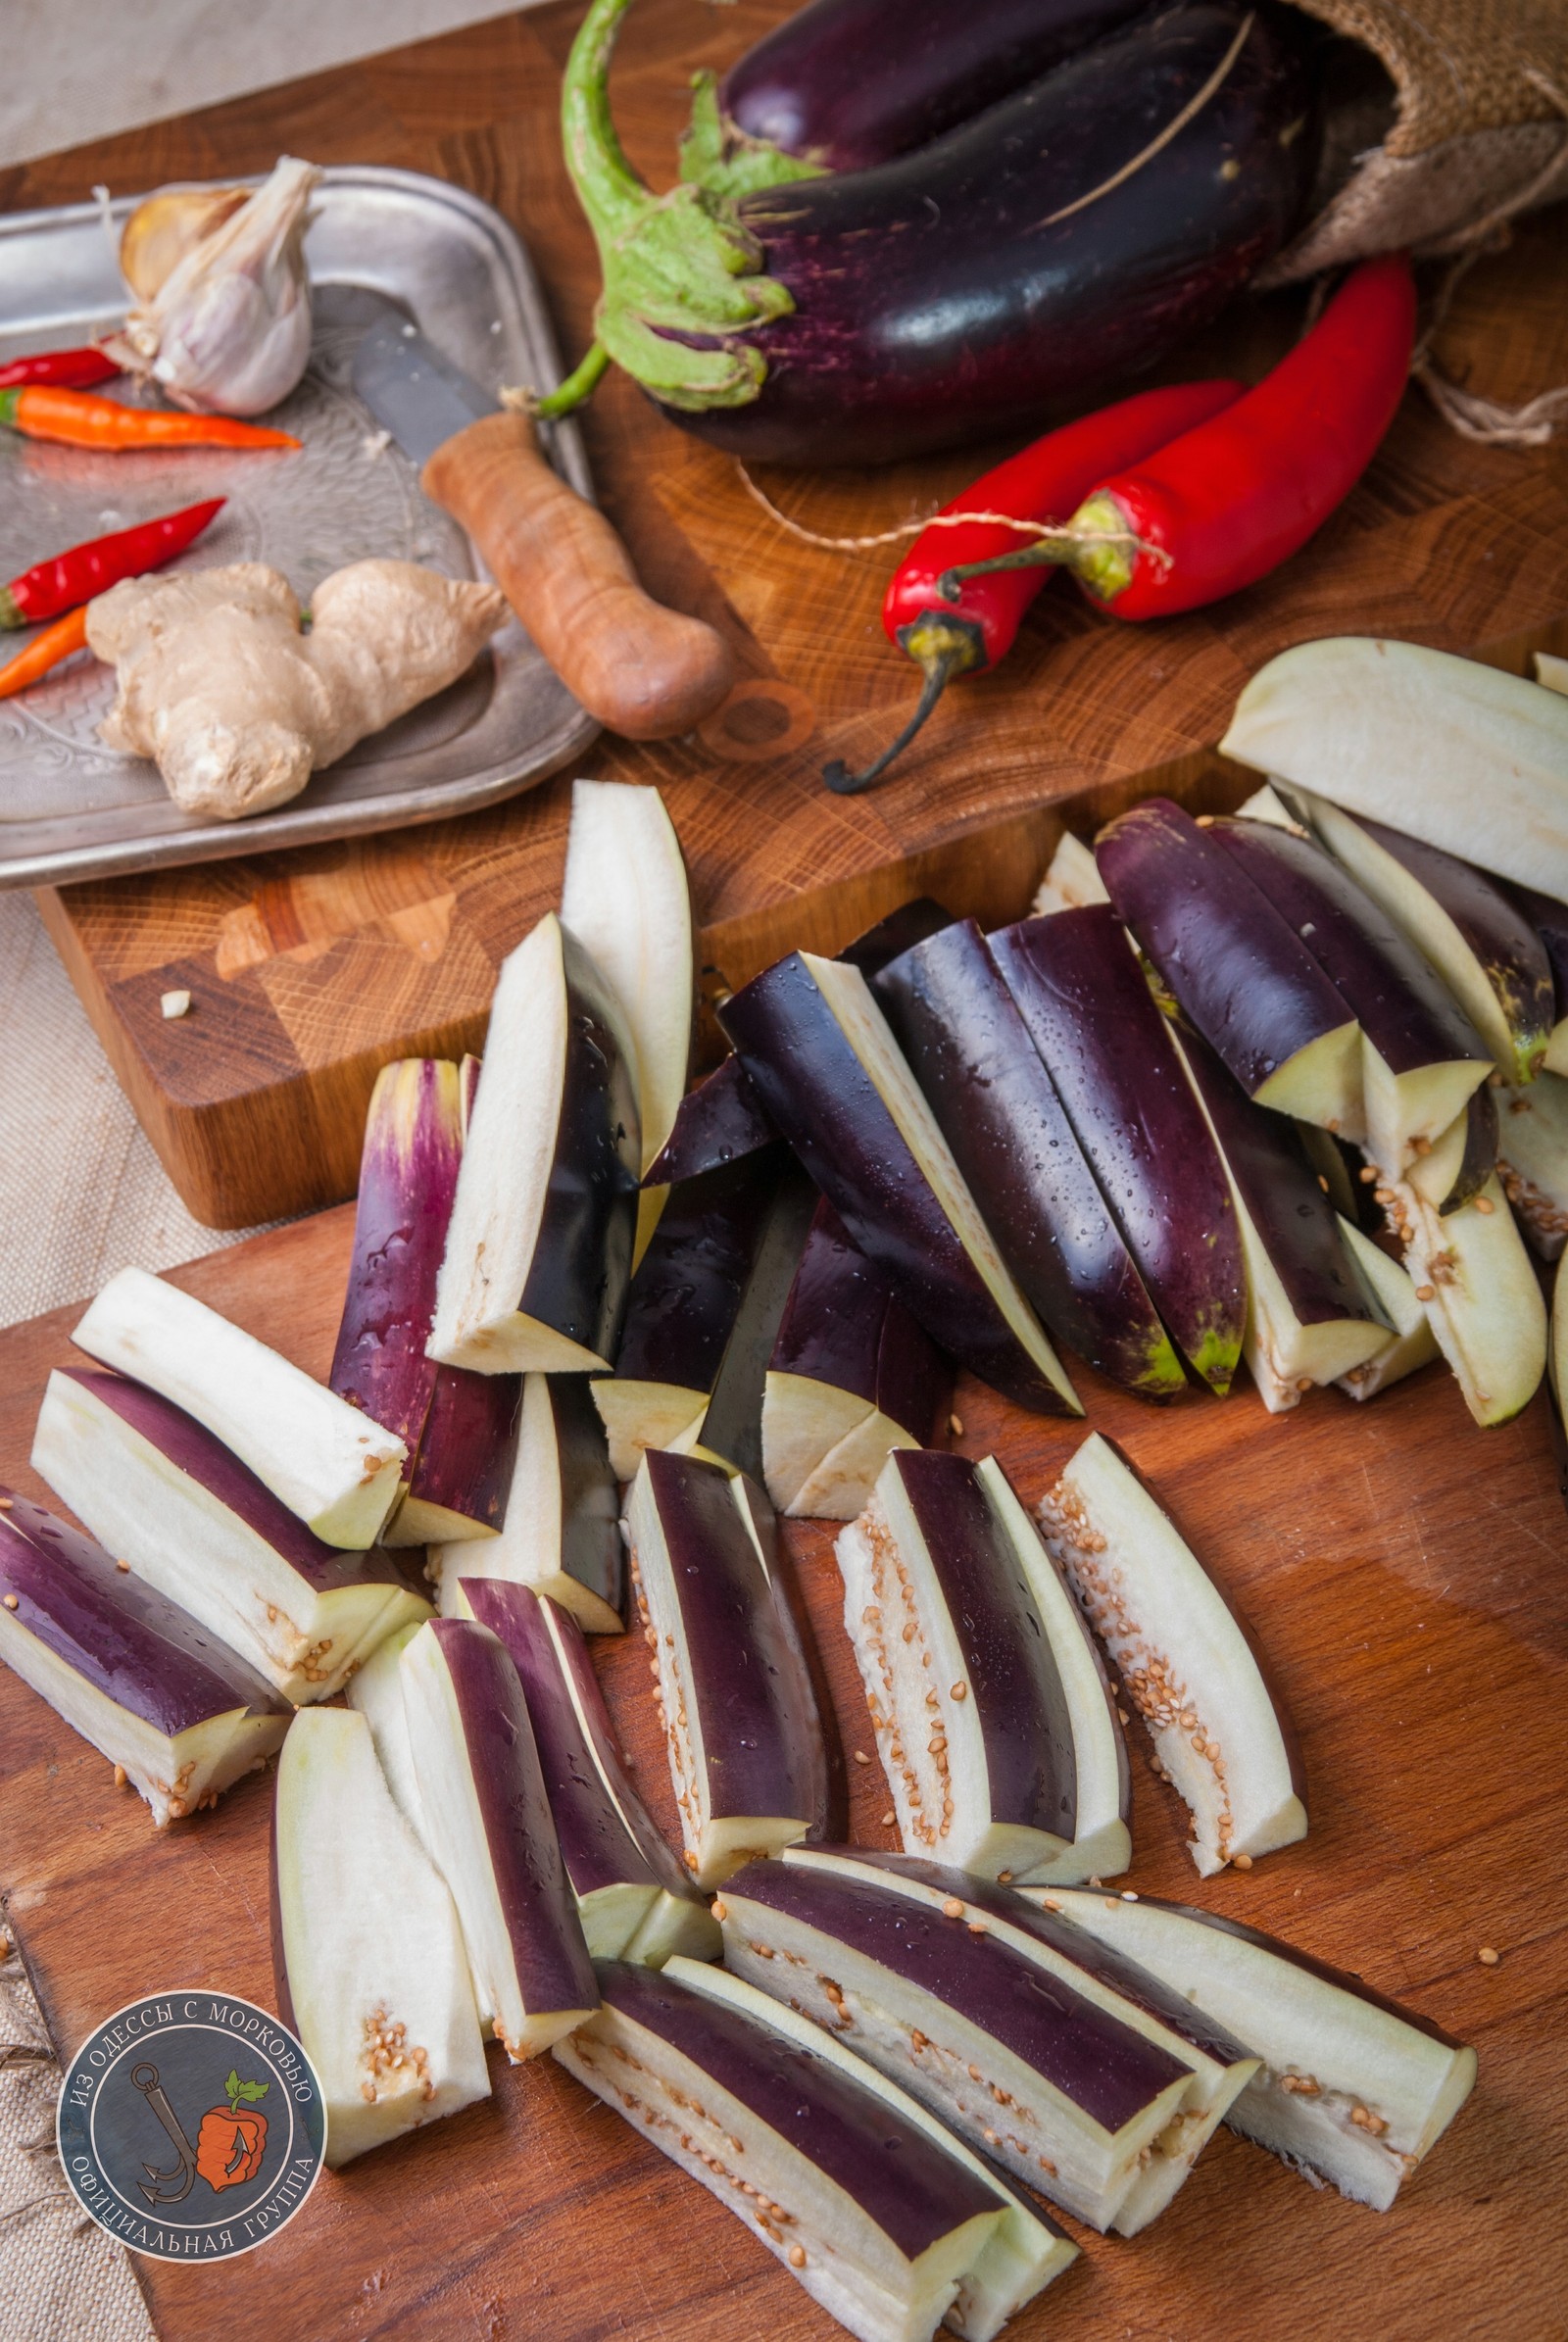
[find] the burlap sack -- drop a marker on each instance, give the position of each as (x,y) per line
(1443,120)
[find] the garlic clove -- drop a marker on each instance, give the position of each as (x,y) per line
(165,226)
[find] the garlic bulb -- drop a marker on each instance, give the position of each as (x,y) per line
(222,319)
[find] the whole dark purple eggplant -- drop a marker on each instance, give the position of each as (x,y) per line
(843,85)
(998,1108)
(1067,236)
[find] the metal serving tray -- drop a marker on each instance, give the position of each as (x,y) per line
(69,808)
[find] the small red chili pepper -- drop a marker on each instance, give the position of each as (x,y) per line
(1042,483)
(75,418)
(66,369)
(1219,508)
(92,568)
(58,642)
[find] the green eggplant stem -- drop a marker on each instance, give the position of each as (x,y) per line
(577,388)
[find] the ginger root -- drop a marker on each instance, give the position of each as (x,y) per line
(237,708)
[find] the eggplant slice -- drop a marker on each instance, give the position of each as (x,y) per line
(562,1534)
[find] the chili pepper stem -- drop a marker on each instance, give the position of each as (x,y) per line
(942,650)
(1096,545)
(9,615)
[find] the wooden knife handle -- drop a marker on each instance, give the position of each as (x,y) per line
(640,669)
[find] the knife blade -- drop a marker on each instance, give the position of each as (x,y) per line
(413,391)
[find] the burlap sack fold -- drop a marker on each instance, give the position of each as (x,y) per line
(1469,127)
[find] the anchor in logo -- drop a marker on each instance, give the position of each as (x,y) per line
(229,2144)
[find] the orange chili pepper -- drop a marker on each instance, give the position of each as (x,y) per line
(75,418)
(45,650)
(232,2140)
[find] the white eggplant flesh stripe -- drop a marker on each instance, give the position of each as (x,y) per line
(1023,2252)
(823,1447)
(181,1536)
(1349,2086)
(1533,1159)
(1394,1289)
(326,1461)
(1473,1277)
(377,1977)
(1460,754)
(1183,1656)
(376,1692)
(532,1546)
(638,1415)
(1072,879)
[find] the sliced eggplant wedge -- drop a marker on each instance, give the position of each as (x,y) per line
(1421,1056)
(370,1968)
(335,1470)
(1486,951)
(1026,2250)
(970,1701)
(1310,1317)
(720,1122)
(831,1075)
(731,1428)
(873,2213)
(1533,1161)
(1185,1657)
(1352,2086)
(170,1500)
(488,1816)
(1080,2075)
(627,1883)
(1238,970)
(1549,919)
(902,929)
(1109,1052)
(1072,879)
(459,1429)
(1457,1165)
(135,1675)
(562,1515)
(1473,1277)
(376,1692)
(747,1756)
(852,1377)
(1393,1289)
(998,1108)
(539,1249)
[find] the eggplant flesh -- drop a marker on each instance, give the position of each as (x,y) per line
(970,1713)
(130,1671)
(1456,1169)
(1475,1281)
(998,1108)
(561,1532)
(747,1757)
(867,2209)
(1064,2091)
(1043,247)
(488,1816)
(1393,1288)
(163,1494)
(1072,879)
(830,1072)
(1353,2085)
(1533,1161)
(1189,1664)
(1240,971)
(539,1248)
(1109,1052)
(370,1966)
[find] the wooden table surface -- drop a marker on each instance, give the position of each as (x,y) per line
(1406,1573)
(308,971)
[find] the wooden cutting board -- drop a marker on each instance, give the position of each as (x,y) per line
(1405,1574)
(308,971)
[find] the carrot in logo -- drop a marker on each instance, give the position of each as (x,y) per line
(232,2139)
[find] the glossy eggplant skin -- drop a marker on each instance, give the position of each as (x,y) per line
(1549,919)
(1024,1720)
(910,924)
(1391,989)
(823,1098)
(119,1633)
(732,1427)
(689,1283)
(848,83)
(591,1547)
(843,1325)
(955,293)
(1294,1218)
(716,1124)
(893,2170)
(1105,1046)
(1240,972)
(1480,1157)
(998,1108)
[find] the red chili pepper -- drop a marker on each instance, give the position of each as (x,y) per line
(1222,507)
(92,568)
(66,369)
(1042,483)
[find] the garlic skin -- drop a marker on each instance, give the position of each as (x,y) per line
(228,329)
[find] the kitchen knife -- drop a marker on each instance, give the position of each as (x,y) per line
(646,672)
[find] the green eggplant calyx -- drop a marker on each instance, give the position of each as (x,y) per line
(675,264)
(726,160)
